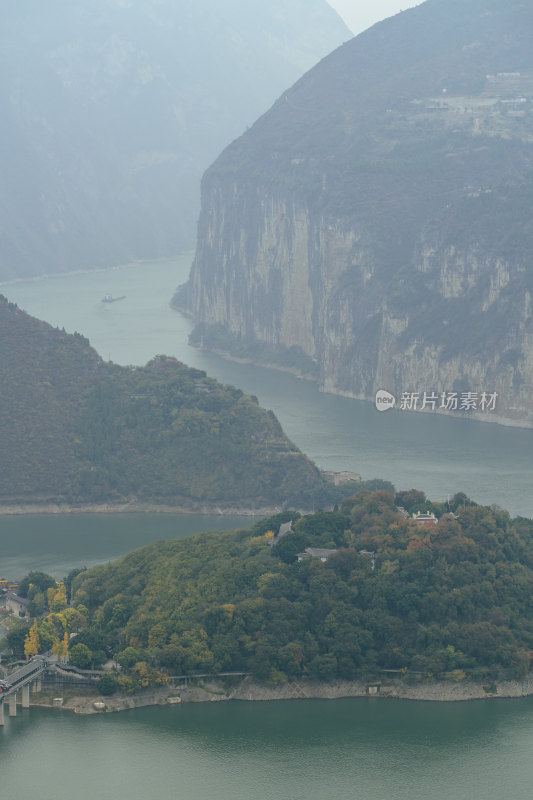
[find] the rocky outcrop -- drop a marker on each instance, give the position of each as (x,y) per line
(212,691)
(377,218)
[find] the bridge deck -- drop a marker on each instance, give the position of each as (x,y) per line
(25,674)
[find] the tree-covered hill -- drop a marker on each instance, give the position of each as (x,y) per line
(74,428)
(454,599)
(45,375)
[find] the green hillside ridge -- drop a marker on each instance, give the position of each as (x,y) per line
(76,429)
(377,217)
(452,601)
(361,133)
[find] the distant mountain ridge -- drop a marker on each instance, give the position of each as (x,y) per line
(111,110)
(75,429)
(375,223)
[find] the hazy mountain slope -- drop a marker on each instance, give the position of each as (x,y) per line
(377,218)
(111,110)
(44,374)
(76,429)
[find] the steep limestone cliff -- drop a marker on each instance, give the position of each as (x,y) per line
(376,221)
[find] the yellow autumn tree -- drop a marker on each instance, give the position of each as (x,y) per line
(50,595)
(57,648)
(59,601)
(73,620)
(60,648)
(31,642)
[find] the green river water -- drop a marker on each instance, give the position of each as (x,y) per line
(358,749)
(365,749)
(441,455)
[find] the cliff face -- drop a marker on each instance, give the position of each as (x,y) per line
(377,219)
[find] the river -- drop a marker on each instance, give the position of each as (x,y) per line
(440,455)
(57,543)
(358,749)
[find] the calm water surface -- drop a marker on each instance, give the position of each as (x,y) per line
(57,543)
(354,749)
(440,455)
(305,750)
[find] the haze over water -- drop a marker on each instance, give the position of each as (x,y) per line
(440,455)
(361,749)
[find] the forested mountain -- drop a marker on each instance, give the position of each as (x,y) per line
(76,429)
(110,110)
(453,600)
(374,225)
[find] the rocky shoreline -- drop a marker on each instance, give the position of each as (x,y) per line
(247,690)
(132,508)
(327,388)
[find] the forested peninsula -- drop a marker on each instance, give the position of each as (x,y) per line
(78,430)
(360,593)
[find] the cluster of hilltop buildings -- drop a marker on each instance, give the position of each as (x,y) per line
(321,553)
(426,519)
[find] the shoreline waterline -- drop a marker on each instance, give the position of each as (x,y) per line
(73,273)
(209,691)
(22,509)
(487,418)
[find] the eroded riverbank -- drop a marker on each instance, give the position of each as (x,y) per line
(248,690)
(133,508)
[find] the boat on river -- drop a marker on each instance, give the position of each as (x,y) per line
(108,298)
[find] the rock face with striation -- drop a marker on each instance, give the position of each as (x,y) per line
(374,227)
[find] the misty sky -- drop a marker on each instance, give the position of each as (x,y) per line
(361,14)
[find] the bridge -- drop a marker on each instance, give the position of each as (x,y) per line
(18,680)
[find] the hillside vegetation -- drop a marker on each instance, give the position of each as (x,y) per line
(453,600)
(76,429)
